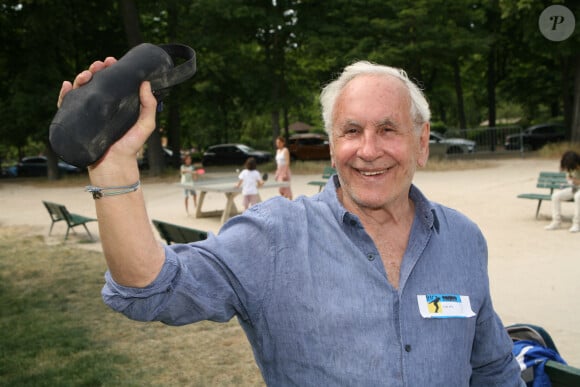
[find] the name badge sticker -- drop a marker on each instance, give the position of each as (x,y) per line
(444,306)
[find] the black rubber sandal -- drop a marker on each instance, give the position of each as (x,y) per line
(94,116)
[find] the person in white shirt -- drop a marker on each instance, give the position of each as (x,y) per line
(250,180)
(188,175)
(283,166)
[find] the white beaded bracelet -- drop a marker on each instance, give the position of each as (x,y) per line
(99,192)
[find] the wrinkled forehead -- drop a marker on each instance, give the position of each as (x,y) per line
(380,84)
(373,95)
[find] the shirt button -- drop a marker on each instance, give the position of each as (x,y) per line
(371,257)
(407,348)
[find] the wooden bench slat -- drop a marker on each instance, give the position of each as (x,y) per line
(328,171)
(535,196)
(562,375)
(173,233)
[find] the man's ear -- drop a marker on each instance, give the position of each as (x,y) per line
(332,164)
(423,155)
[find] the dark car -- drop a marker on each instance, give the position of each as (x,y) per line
(309,146)
(536,137)
(440,145)
(233,154)
(38,166)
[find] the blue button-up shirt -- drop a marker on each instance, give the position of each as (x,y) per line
(309,288)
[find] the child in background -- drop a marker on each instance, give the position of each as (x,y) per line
(250,180)
(188,175)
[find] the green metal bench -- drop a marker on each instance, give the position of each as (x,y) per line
(59,213)
(562,375)
(548,180)
(328,171)
(173,233)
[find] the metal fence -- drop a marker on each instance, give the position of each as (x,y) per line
(488,140)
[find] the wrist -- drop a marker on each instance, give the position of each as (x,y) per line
(99,192)
(108,173)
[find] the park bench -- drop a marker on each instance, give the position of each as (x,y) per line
(328,171)
(562,375)
(173,233)
(59,213)
(547,180)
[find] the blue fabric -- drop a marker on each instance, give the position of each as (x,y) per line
(532,354)
(308,286)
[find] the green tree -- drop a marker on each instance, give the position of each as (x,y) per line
(541,72)
(45,42)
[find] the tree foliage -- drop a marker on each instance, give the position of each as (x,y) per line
(261,63)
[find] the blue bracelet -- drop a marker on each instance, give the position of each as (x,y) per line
(99,192)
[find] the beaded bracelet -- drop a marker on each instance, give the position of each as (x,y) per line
(99,192)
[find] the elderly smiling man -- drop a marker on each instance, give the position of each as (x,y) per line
(367,283)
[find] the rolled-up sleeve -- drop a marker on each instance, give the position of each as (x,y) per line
(185,291)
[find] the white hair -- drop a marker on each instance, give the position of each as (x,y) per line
(420,112)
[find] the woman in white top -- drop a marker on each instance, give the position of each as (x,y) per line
(283,166)
(250,180)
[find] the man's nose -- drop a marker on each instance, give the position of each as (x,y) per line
(370,147)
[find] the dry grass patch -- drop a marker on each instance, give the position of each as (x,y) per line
(60,332)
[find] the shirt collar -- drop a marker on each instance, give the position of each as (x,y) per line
(424,208)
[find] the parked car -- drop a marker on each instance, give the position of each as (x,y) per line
(536,136)
(309,146)
(441,145)
(233,154)
(38,166)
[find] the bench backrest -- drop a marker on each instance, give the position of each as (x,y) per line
(551,180)
(57,212)
(562,375)
(173,233)
(328,171)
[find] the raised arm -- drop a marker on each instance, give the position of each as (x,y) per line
(133,255)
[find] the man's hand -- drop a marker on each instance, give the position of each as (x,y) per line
(123,152)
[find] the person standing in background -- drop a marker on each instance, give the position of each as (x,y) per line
(250,180)
(188,175)
(283,166)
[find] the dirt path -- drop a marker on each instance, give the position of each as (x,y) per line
(533,273)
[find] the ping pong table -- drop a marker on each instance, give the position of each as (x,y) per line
(227,186)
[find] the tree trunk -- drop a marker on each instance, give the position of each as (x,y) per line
(52,163)
(131,22)
(491,97)
(459,95)
(575,135)
(130,16)
(173,130)
(275,118)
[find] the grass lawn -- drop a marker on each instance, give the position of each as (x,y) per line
(57,332)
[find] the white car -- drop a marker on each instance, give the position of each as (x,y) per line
(441,145)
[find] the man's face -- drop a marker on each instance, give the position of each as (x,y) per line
(374,145)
